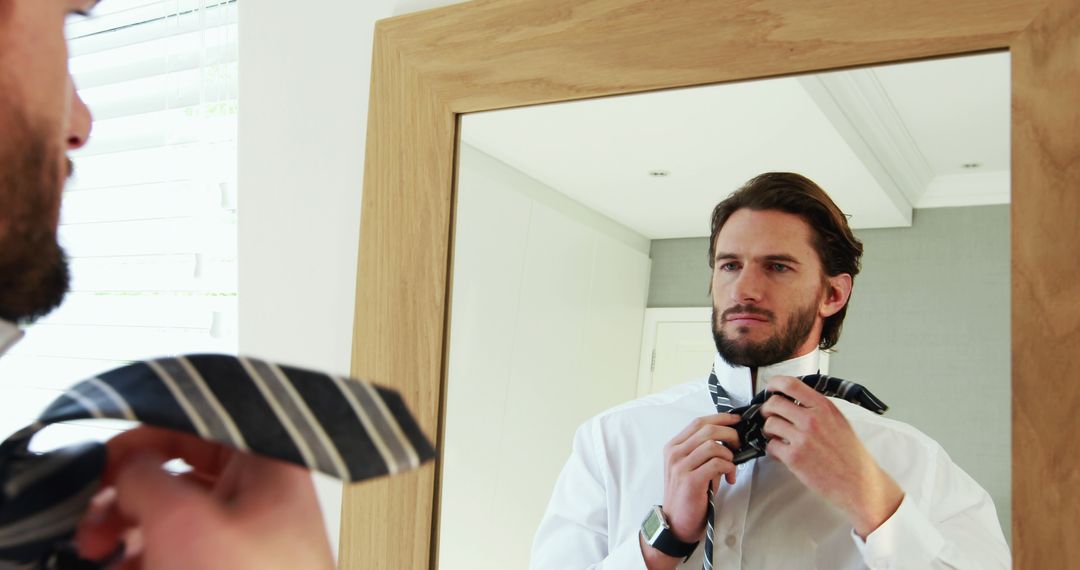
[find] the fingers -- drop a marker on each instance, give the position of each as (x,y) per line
(781,434)
(795,389)
(695,426)
(104,527)
(703,453)
(710,461)
(779,428)
(796,414)
(143,492)
(101,528)
(216,513)
(146,492)
(713,470)
(206,458)
(704,431)
(230,476)
(779,449)
(707,462)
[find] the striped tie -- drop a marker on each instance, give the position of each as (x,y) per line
(345,428)
(752,442)
(722,401)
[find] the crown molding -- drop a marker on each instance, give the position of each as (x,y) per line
(860,109)
(977,189)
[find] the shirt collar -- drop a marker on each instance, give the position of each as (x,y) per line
(736,379)
(9,335)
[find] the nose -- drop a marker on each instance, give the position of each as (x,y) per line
(747,286)
(79,120)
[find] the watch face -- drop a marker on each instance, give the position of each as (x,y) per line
(652,524)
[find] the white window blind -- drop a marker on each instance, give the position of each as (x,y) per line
(149,220)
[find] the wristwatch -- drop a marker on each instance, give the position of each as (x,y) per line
(657,533)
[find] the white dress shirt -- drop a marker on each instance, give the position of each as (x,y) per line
(767,519)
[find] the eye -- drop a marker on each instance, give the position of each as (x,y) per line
(780,268)
(729,266)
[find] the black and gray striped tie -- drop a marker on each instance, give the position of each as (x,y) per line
(345,428)
(752,442)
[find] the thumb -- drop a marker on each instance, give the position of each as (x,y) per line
(146,493)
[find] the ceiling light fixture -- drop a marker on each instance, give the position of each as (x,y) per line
(971,165)
(659,173)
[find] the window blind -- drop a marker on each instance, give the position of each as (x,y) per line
(149,219)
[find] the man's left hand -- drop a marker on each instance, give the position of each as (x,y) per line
(813,439)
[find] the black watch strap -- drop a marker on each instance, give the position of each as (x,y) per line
(668,544)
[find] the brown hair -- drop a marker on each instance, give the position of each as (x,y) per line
(838,249)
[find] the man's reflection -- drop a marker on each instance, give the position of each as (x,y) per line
(840,486)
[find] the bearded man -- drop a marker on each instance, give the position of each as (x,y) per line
(839,487)
(244,511)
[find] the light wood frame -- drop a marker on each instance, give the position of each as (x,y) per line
(431,67)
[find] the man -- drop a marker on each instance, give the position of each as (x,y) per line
(233,510)
(840,487)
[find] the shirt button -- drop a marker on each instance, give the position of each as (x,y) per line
(730,540)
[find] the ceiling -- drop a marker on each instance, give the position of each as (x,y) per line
(882,141)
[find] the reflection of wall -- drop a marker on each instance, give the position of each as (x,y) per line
(928,328)
(547,309)
(680,273)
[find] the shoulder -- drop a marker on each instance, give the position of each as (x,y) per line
(908,454)
(687,397)
(918,463)
(661,411)
(877,429)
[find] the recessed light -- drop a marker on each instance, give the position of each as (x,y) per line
(971,165)
(659,173)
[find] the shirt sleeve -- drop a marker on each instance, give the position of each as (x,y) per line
(573,534)
(949,523)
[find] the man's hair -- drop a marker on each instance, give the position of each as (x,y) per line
(838,249)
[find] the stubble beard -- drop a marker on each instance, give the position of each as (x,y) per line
(777,348)
(34,272)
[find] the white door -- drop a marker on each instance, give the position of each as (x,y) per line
(677,346)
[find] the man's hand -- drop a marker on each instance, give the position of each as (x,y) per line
(692,460)
(233,510)
(813,439)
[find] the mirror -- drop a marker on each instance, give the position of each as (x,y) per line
(580,275)
(430,68)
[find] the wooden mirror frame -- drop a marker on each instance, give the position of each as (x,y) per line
(432,66)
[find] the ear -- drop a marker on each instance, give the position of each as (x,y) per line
(837,293)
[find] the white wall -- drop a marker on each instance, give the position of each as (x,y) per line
(304,79)
(548,304)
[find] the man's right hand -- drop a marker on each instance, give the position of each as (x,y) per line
(232,510)
(692,460)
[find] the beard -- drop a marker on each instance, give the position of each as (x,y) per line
(33,267)
(777,348)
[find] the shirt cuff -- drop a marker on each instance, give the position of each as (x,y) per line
(908,539)
(627,555)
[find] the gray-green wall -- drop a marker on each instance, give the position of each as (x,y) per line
(927,329)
